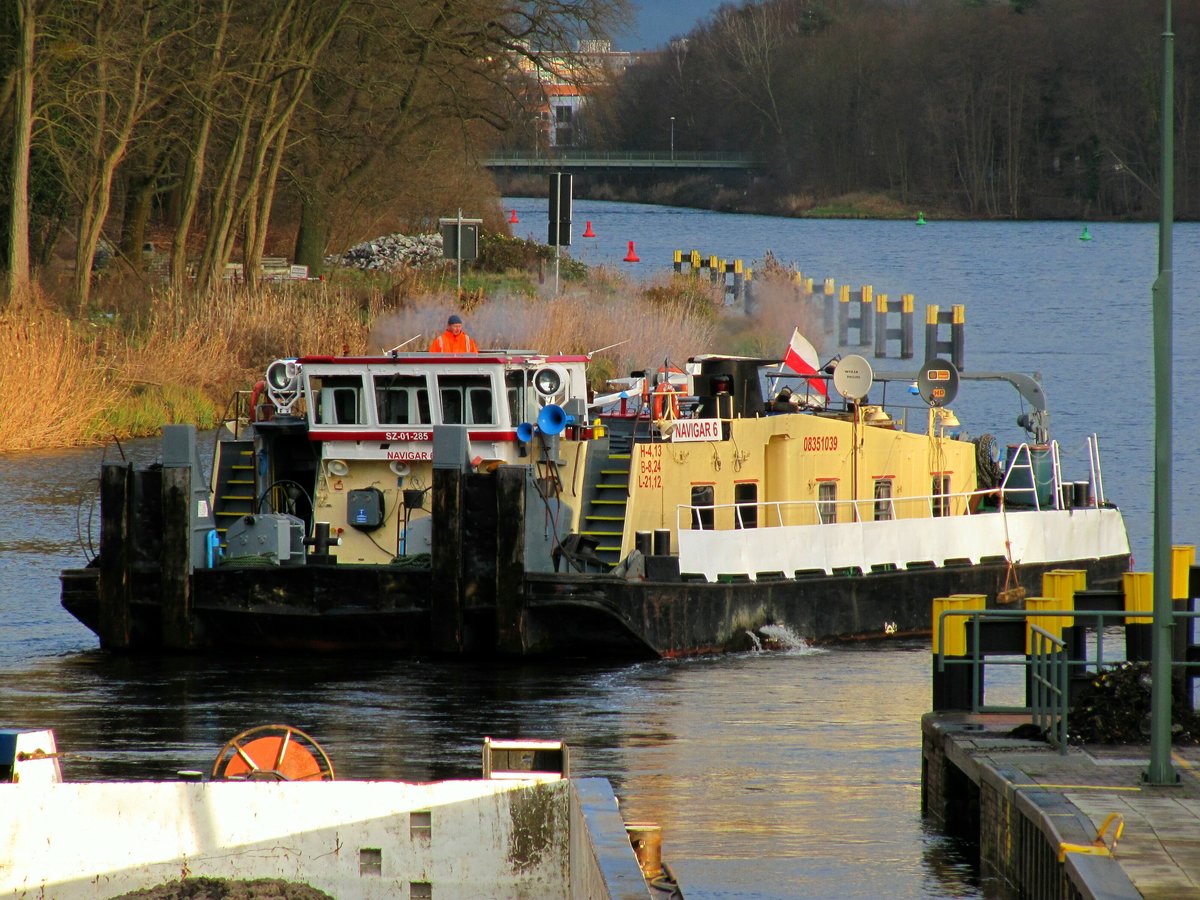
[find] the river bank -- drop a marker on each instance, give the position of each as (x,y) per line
(166,357)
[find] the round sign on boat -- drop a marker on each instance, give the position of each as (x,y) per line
(853,377)
(938,382)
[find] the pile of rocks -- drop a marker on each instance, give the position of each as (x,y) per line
(394,251)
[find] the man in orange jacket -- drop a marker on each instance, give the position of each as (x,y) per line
(454,339)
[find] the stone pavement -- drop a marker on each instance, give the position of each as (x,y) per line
(1159,848)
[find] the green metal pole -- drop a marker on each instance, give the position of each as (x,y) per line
(1160,770)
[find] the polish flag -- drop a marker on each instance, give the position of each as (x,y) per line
(801,358)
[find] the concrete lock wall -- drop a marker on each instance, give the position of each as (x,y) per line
(363,839)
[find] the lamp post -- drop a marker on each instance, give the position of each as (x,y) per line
(1160,770)
(672,139)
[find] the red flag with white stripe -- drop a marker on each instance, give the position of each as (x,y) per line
(801,358)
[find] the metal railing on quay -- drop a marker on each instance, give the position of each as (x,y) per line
(1047,662)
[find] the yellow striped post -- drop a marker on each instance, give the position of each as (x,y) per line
(1061,584)
(678,261)
(1052,624)
(1183,557)
(954,629)
(906,326)
(1139,596)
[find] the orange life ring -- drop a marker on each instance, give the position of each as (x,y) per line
(259,387)
(665,398)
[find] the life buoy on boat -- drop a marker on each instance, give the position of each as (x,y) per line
(255,394)
(665,400)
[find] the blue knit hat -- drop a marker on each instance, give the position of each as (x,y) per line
(454,320)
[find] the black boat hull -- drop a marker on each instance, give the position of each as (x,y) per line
(388,609)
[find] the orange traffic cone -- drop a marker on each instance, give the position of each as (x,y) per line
(631,256)
(587,232)
(513,218)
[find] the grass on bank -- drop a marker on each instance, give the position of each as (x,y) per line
(163,357)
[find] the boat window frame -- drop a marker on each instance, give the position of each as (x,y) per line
(315,383)
(884,507)
(703,513)
(939,496)
(468,393)
(424,405)
(827,507)
(745,509)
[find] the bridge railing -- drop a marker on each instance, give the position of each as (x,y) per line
(617,157)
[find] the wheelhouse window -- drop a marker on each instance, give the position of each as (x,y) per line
(702,507)
(883,500)
(337,399)
(402,400)
(827,502)
(941,495)
(522,401)
(466,400)
(745,495)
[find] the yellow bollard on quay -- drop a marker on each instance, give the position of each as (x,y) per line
(1139,596)
(1183,557)
(1051,624)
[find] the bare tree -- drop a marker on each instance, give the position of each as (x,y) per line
(18,276)
(108,78)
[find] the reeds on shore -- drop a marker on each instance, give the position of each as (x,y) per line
(180,358)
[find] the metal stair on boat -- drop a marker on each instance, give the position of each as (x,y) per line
(607,496)
(604,517)
(234,494)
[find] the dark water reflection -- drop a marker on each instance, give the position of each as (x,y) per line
(780,775)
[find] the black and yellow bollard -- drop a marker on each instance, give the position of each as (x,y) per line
(958,331)
(954,685)
(906,326)
(843,315)
(1139,597)
(828,308)
(1183,558)
(866,316)
(1063,584)
(677,264)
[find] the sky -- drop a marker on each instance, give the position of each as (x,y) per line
(657,21)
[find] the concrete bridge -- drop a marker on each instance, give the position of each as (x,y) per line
(599,161)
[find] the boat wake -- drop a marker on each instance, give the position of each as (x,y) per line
(775,638)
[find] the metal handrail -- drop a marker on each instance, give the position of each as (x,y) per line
(1054,672)
(1049,678)
(684,511)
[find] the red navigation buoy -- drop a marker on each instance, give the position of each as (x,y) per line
(513,218)
(587,232)
(631,256)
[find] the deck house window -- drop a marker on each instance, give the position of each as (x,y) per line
(702,507)
(402,400)
(337,399)
(522,398)
(883,500)
(466,400)
(941,495)
(746,512)
(827,502)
